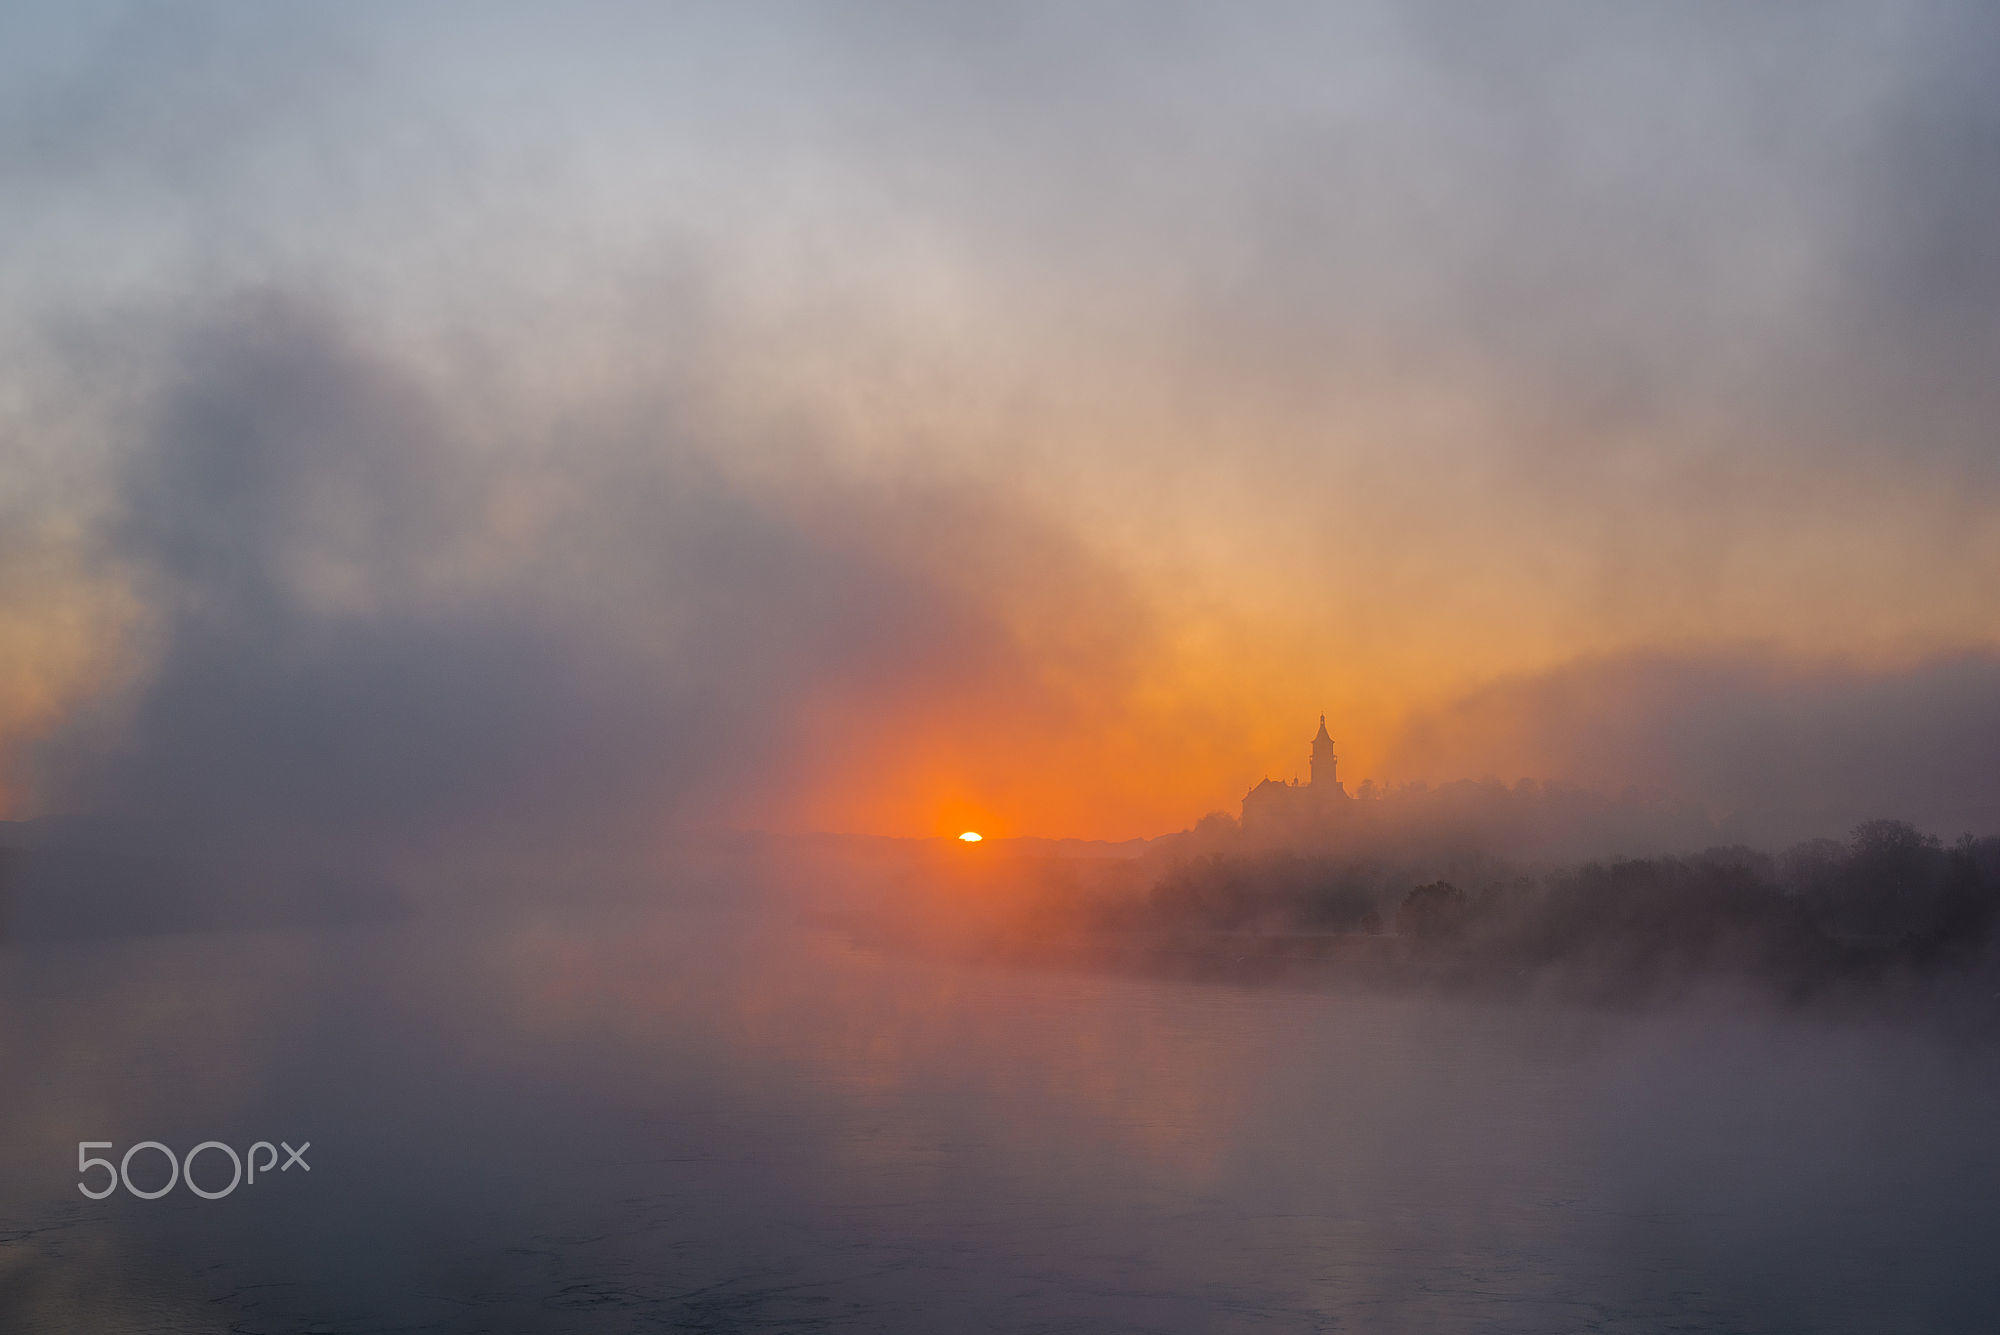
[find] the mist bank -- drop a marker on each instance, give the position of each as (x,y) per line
(1776,747)
(359,611)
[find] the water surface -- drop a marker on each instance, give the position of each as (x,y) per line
(725,1118)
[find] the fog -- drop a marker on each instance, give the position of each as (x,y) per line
(372,634)
(721,1118)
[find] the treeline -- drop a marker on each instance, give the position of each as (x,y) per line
(1889,902)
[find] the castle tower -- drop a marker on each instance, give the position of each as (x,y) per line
(1323,758)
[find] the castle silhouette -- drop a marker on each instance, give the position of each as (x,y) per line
(1282,807)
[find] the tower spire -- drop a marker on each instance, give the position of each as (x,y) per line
(1324,761)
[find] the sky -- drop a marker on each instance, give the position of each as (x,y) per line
(421,420)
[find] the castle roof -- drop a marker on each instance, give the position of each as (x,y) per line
(1322,736)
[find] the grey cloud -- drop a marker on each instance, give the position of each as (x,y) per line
(351,658)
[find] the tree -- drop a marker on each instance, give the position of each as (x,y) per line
(1432,911)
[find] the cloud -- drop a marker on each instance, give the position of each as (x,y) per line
(380,625)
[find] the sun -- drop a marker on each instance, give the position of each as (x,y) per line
(970,837)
